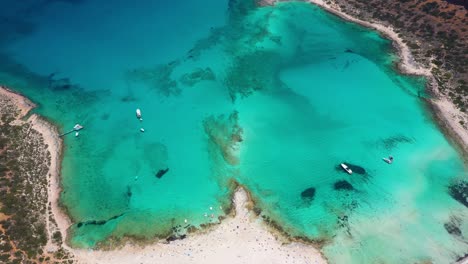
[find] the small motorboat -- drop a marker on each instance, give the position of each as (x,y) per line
(138,114)
(389,160)
(345,168)
(77,127)
(77,134)
(142,129)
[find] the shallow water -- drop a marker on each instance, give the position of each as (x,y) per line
(273,97)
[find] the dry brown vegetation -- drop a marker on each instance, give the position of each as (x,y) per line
(435,31)
(24,216)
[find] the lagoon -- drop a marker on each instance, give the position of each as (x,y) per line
(273,98)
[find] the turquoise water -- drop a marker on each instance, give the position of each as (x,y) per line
(273,97)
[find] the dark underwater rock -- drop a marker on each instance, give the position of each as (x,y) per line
(101,222)
(308,193)
(171,238)
(197,75)
(452,229)
(343,222)
(343,185)
(128,98)
(60,84)
(175,237)
(356,169)
(392,142)
(453,226)
(158,78)
(224,133)
(98,222)
(129,192)
(105,116)
(460,258)
(161,173)
(459,192)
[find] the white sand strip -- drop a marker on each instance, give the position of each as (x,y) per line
(243,238)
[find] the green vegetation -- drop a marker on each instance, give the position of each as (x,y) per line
(436,32)
(24,165)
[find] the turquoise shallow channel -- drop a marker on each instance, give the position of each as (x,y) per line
(274,98)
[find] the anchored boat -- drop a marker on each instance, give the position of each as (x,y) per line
(345,168)
(389,160)
(138,114)
(77,127)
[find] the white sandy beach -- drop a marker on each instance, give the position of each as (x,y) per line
(243,238)
(54,145)
(240,239)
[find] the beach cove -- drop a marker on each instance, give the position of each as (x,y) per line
(271,103)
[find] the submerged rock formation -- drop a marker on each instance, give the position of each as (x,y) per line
(357,169)
(392,142)
(459,192)
(343,185)
(159,78)
(98,222)
(197,75)
(308,194)
(161,173)
(225,134)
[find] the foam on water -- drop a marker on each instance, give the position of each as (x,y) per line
(273,97)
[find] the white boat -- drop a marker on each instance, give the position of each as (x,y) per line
(348,170)
(77,127)
(77,134)
(142,129)
(138,113)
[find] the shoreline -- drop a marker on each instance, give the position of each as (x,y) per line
(445,114)
(55,147)
(22,102)
(442,110)
(54,144)
(241,235)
